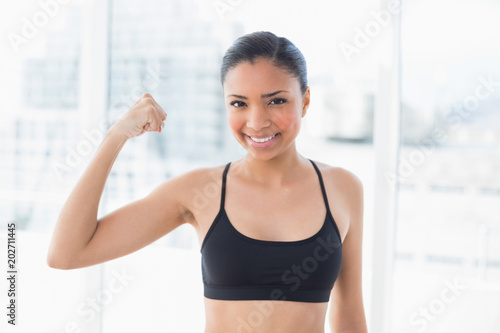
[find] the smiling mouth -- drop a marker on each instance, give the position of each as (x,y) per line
(263,139)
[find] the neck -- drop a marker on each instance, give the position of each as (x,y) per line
(275,171)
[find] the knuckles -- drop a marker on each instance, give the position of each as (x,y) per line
(146,105)
(151,109)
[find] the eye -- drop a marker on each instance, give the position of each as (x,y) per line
(277,101)
(237,104)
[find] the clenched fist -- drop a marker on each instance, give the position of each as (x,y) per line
(146,115)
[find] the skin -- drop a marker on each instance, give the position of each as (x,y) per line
(273,183)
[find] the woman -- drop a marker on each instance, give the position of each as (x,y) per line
(270,257)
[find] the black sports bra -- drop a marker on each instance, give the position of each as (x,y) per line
(237,267)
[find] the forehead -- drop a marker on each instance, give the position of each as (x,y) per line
(261,76)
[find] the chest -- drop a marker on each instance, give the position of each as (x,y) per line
(287,214)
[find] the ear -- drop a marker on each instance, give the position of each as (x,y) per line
(305,101)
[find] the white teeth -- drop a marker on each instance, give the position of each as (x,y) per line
(263,140)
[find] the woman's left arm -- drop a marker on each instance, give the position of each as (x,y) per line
(347,313)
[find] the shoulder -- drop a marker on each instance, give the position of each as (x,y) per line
(340,178)
(190,194)
(345,195)
(190,187)
(198,179)
(201,176)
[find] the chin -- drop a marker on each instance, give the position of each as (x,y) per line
(263,156)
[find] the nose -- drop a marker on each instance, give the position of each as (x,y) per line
(258,118)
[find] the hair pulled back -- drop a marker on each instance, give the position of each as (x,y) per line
(263,44)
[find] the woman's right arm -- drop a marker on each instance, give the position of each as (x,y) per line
(80,239)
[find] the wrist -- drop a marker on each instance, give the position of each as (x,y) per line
(117,134)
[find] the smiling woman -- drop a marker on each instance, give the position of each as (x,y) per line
(264,119)
(285,229)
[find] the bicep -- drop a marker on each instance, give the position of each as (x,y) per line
(135,225)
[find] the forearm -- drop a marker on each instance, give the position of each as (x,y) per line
(78,218)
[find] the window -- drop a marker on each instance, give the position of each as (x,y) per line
(446,260)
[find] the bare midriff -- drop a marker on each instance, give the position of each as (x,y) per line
(264,316)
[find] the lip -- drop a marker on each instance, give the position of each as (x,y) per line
(261,136)
(262,144)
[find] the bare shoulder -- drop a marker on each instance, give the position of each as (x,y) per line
(340,178)
(199,179)
(192,190)
(345,196)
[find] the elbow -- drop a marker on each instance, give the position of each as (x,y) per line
(58,263)
(54,263)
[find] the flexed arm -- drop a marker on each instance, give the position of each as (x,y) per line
(77,225)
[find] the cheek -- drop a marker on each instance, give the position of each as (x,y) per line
(289,119)
(235,122)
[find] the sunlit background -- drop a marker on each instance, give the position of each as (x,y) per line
(421,89)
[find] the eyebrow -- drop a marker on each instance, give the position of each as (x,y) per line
(261,96)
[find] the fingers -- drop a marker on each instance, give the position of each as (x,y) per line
(152,100)
(156,114)
(163,114)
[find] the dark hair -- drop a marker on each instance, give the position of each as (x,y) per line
(263,44)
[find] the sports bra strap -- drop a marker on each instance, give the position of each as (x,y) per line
(223,191)
(322,186)
(224,176)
